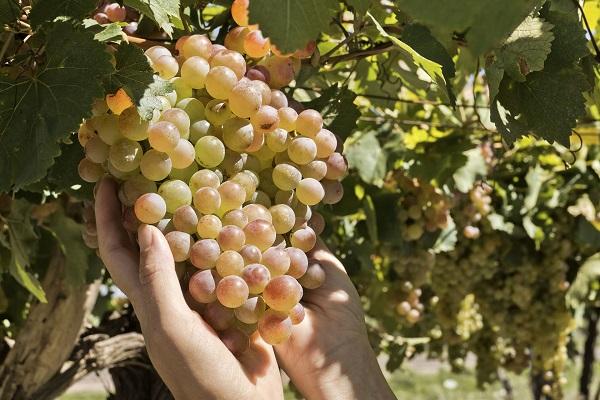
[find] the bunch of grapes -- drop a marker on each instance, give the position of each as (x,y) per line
(230,174)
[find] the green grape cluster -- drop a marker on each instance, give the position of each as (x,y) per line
(229,172)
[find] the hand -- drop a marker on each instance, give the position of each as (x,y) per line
(328,355)
(187,353)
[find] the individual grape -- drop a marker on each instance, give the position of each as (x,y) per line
(275,327)
(309,123)
(185,219)
(199,129)
(230,262)
(309,191)
(298,262)
(182,91)
(326,143)
(220,82)
(217,113)
(125,155)
(163,136)
(283,218)
(255,45)
(202,286)
(184,174)
(334,191)
(101,18)
(210,151)
(276,260)
(131,28)
(180,244)
(302,150)
(257,277)
(245,100)
(204,178)
(414,232)
(155,165)
(193,108)
(90,172)
(265,120)
(314,277)
(413,316)
(403,308)
(248,181)
(231,237)
(233,163)
(107,127)
(207,200)
(255,212)
(286,176)
(317,223)
(285,197)
(150,208)
(217,48)
(132,126)
(235,340)
(232,291)
(297,314)
(232,194)
(85,133)
(234,40)
(235,217)
(277,140)
(282,293)
(251,311)
(176,194)
(260,233)
(258,73)
(336,166)
(230,59)
(316,169)
(281,70)
(166,66)
(239,12)
(251,254)
(155,52)
(287,118)
(194,71)
(120,175)
(204,253)
(197,45)
(278,99)
(304,239)
(264,89)
(96,150)
(218,316)
(134,187)
(115,12)
(209,227)
(183,155)
(180,119)
(238,134)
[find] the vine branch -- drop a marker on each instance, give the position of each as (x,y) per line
(360,54)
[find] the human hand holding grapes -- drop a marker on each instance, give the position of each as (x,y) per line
(187,353)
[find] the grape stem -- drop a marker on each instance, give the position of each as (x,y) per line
(357,55)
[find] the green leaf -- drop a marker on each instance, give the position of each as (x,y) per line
(446,241)
(47,10)
(484,23)
(110,33)
(570,43)
(67,233)
(9,11)
(465,176)
(291,24)
(441,159)
(132,72)
(63,175)
(23,242)
(423,42)
(526,49)
(371,218)
(547,104)
(336,104)
(163,12)
(413,58)
(535,178)
(367,157)
(360,6)
(588,274)
(37,112)
(494,74)
(150,101)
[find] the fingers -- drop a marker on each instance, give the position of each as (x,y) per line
(158,280)
(116,249)
(321,254)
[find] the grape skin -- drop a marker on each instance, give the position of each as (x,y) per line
(150,208)
(232,291)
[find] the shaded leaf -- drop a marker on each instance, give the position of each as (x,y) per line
(132,72)
(163,12)
(63,175)
(340,114)
(47,10)
(367,157)
(360,6)
(9,11)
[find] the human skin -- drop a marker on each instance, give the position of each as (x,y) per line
(327,357)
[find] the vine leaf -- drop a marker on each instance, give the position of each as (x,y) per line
(465,176)
(48,10)
(526,49)
(368,157)
(360,6)
(291,24)
(587,276)
(63,175)
(570,43)
(411,57)
(163,12)
(150,100)
(132,72)
(336,104)
(9,11)
(483,23)
(45,108)
(23,240)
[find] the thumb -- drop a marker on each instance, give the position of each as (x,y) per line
(159,285)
